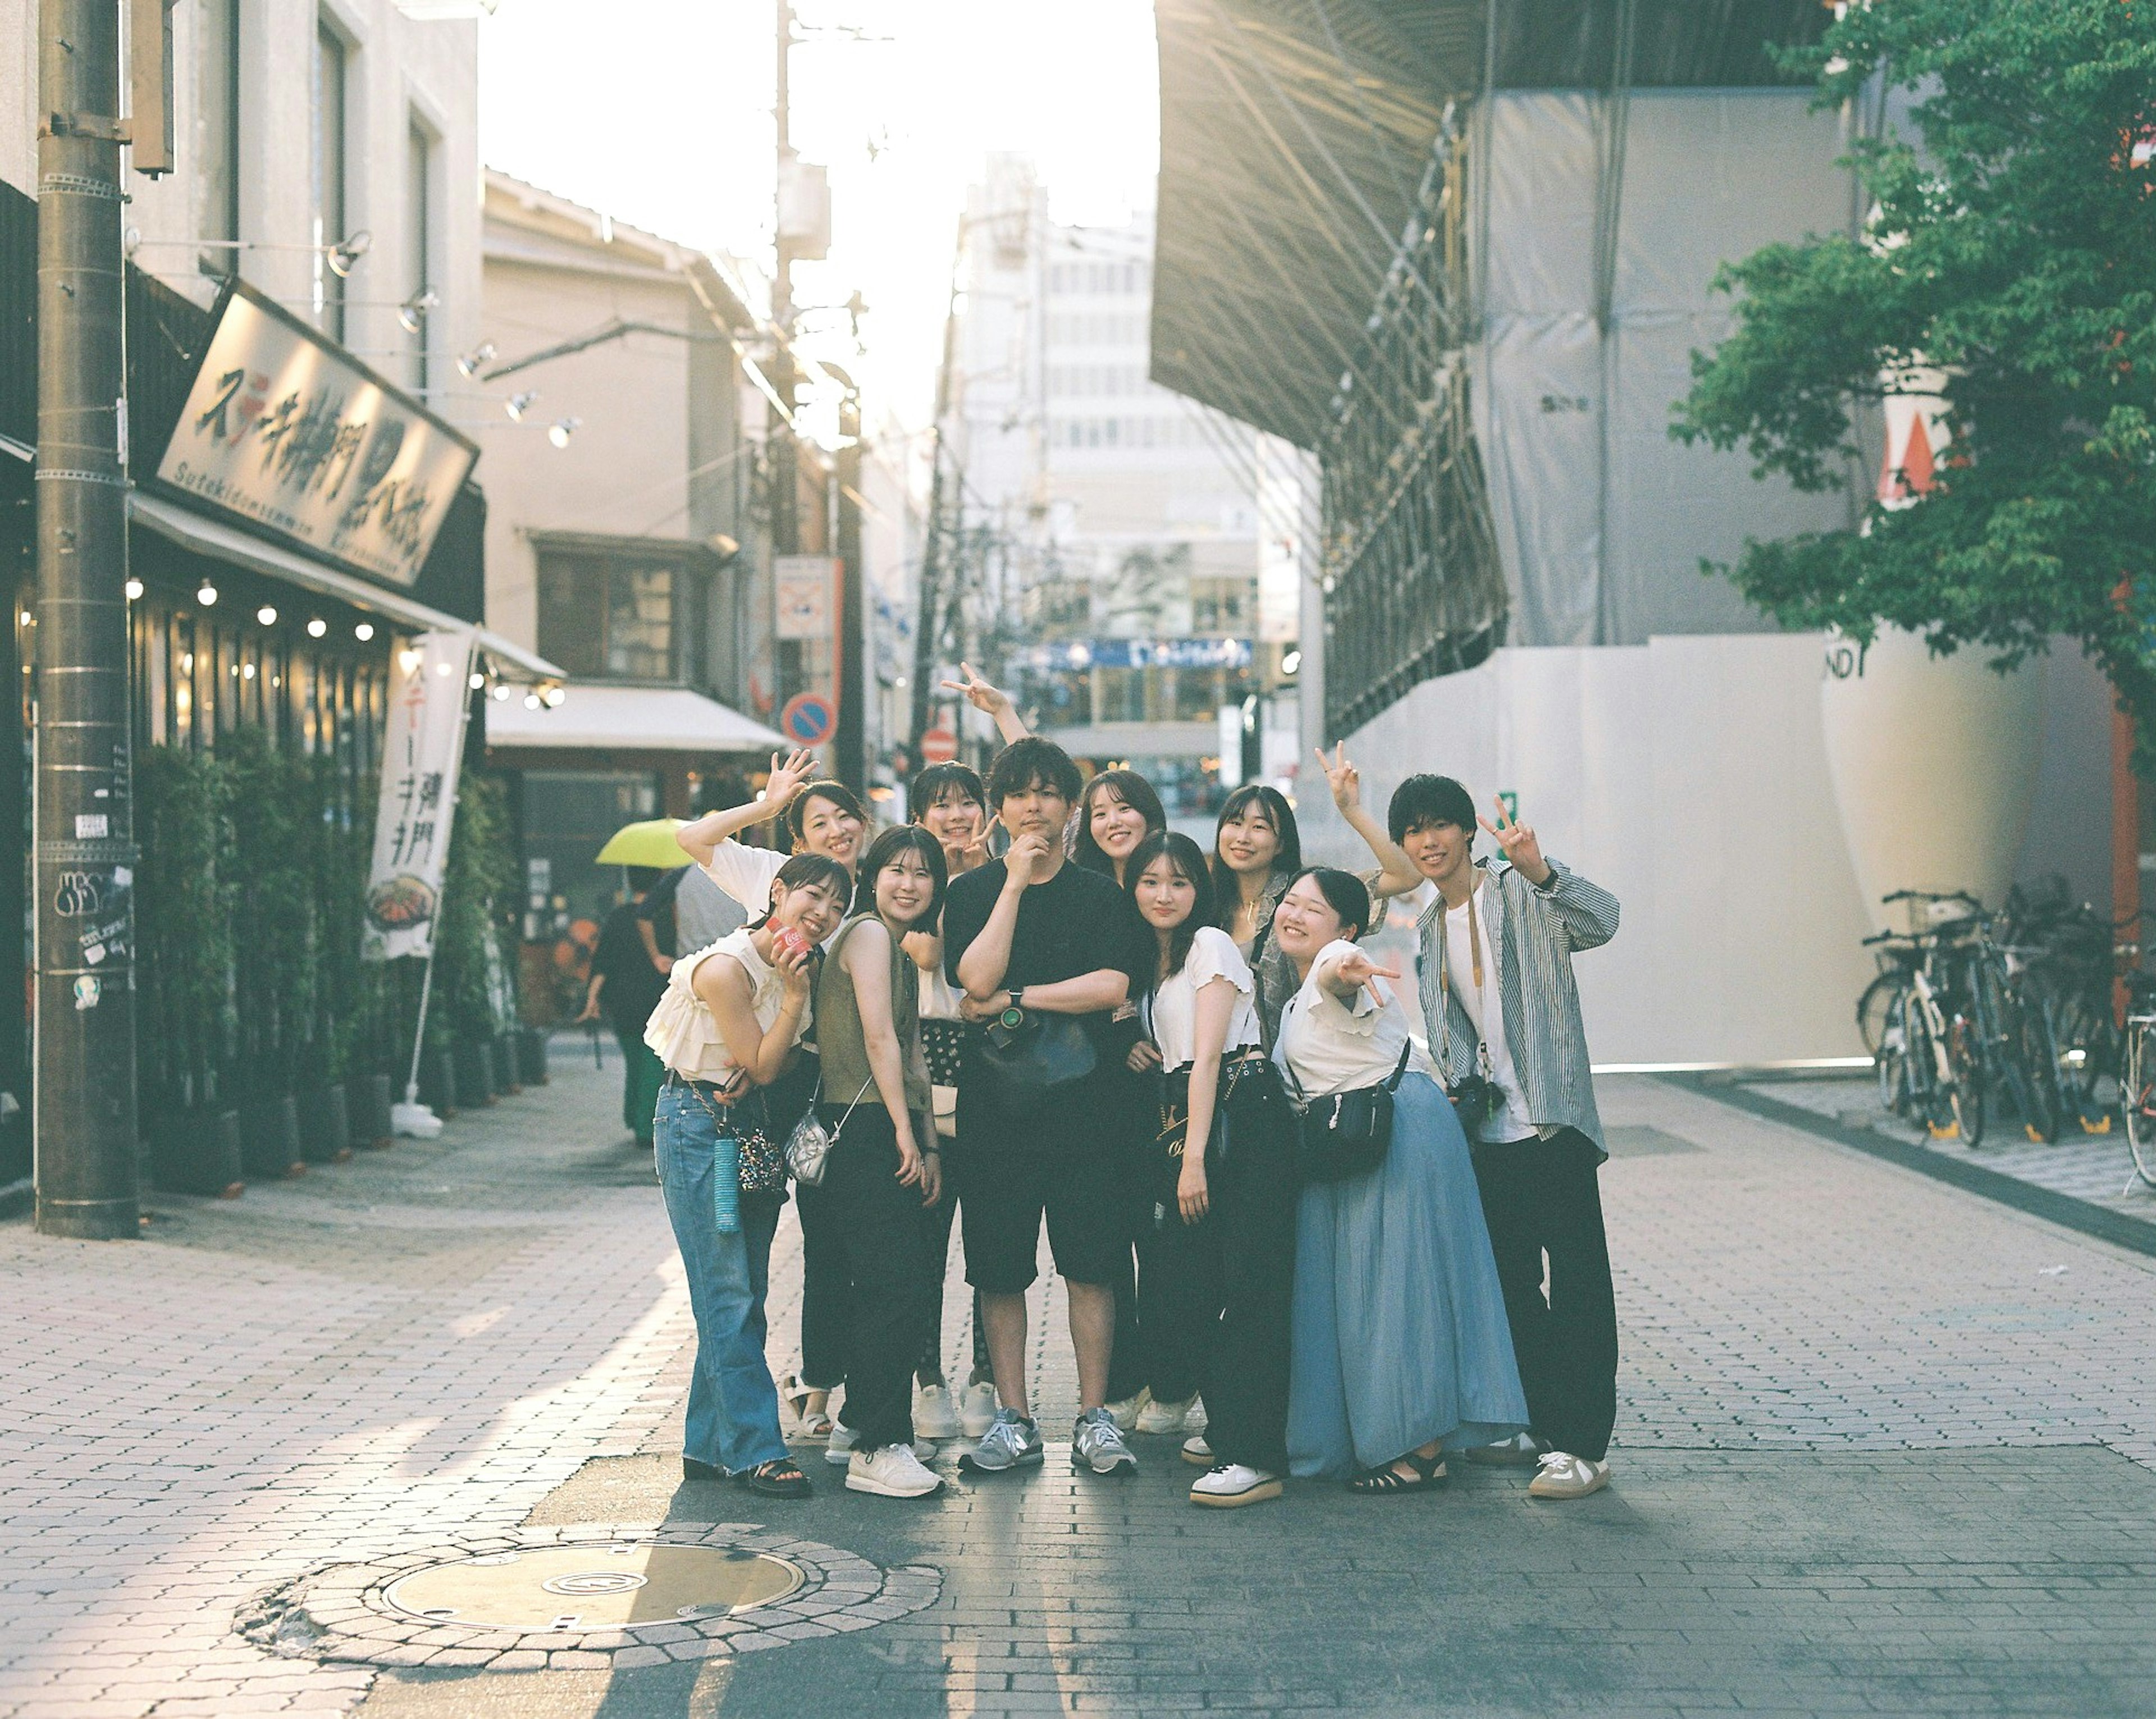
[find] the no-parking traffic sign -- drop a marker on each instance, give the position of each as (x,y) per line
(807,719)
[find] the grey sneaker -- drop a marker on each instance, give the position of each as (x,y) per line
(1096,1442)
(1009,1443)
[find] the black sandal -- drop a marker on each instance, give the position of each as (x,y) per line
(779,1478)
(1429,1475)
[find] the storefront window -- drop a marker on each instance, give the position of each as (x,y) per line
(618,615)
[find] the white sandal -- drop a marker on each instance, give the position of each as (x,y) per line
(795,1395)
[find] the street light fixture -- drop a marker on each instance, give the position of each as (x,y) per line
(559,432)
(206,595)
(347,251)
(517,405)
(469,366)
(412,314)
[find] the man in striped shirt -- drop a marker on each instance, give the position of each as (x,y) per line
(1503,1017)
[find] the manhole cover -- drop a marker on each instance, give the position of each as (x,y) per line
(594,1587)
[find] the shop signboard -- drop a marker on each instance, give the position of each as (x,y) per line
(428,699)
(286,430)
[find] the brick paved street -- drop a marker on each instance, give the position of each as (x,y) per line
(1885,1446)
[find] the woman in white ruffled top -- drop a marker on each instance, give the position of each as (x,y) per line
(731,1023)
(1401,1345)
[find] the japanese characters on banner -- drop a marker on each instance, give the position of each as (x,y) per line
(427,695)
(286,430)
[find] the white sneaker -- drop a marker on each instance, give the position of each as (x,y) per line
(892,1472)
(1126,1414)
(1230,1483)
(1169,1417)
(843,1438)
(933,1416)
(1561,1475)
(976,1409)
(1196,1449)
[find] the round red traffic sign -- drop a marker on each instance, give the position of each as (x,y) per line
(938,745)
(807,719)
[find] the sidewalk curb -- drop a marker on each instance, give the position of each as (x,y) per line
(2135,1235)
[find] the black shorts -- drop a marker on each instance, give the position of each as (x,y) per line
(1079,1185)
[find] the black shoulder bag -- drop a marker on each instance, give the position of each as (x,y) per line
(1030,1055)
(1346,1134)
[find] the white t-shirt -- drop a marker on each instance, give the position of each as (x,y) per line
(1171,1012)
(1331,1046)
(1507,1120)
(745,872)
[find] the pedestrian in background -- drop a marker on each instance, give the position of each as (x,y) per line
(822,818)
(729,1026)
(1118,810)
(1400,1345)
(885,1163)
(627,980)
(1503,1013)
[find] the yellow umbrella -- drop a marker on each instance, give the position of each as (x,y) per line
(649,843)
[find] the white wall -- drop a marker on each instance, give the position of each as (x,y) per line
(1686,776)
(397,67)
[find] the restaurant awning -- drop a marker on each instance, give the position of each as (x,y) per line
(631,719)
(1294,134)
(213,537)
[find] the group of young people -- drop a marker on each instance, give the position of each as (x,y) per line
(1105,1029)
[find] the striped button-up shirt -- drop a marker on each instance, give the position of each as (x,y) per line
(1539,931)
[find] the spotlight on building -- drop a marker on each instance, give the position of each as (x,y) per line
(318,627)
(476,680)
(134,589)
(517,405)
(363,632)
(348,251)
(559,432)
(267,615)
(412,314)
(468,365)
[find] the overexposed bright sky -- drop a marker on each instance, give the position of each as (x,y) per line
(660,113)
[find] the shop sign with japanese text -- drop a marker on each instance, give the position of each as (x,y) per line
(428,694)
(287,430)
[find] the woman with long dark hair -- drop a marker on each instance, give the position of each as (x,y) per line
(885,1163)
(1401,1345)
(1118,810)
(727,1029)
(822,818)
(1256,849)
(1219,1249)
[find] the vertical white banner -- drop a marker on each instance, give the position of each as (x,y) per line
(428,699)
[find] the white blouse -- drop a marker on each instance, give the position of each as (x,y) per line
(682,1030)
(1331,1046)
(1171,1012)
(745,872)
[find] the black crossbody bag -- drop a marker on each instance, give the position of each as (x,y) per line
(1346,1134)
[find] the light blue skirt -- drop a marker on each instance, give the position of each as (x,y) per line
(1399,1330)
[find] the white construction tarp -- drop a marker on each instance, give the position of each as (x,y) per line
(1602,520)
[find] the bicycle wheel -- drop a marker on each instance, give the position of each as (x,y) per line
(2035,1056)
(1965,1061)
(2086,1039)
(1876,1008)
(1890,1058)
(2137,1097)
(1932,1099)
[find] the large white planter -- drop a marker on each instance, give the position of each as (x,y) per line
(1933,761)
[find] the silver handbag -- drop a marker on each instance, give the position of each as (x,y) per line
(808,1147)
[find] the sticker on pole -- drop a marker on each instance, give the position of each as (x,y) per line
(807,719)
(938,745)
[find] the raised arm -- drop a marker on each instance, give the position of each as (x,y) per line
(700,837)
(761,1054)
(1587,912)
(867,959)
(992,701)
(1396,872)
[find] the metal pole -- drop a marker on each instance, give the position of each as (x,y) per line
(84,1124)
(786,498)
(853,680)
(927,627)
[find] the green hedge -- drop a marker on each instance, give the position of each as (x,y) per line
(250,906)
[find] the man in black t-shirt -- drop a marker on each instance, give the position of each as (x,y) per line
(1026,936)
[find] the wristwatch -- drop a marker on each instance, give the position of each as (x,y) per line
(1014,1014)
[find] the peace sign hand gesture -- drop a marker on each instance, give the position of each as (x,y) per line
(991,701)
(1355,971)
(1343,777)
(1520,845)
(786,779)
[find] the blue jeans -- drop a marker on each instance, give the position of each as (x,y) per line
(733,1406)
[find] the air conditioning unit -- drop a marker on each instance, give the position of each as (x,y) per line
(804,209)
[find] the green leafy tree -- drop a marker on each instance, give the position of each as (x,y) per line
(2009,264)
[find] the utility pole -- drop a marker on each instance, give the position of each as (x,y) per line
(927,628)
(852,737)
(84,872)
(785,501)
